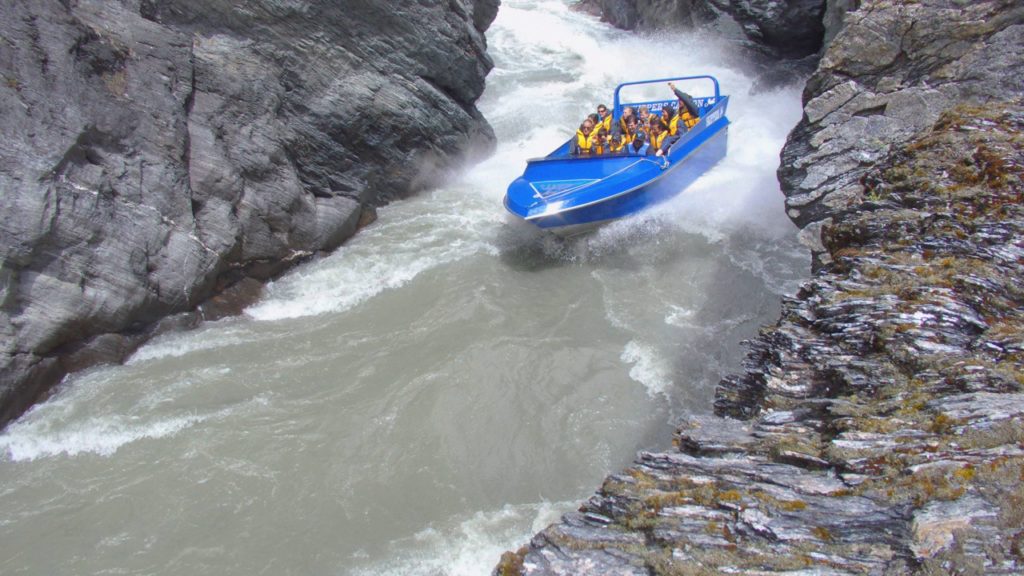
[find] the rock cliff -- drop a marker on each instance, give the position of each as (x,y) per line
(878,428)
(154,153)
(887,75)
(786,29)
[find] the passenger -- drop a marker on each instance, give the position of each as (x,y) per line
(644,118)
(627,113)
(643,121)
(639,142)
(583,144)
(596,140)
(615,144)
(660,139)
(629,132)
(605,117)
(689,113)
(667,113)
(600,139)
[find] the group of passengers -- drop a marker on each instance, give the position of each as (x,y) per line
(638,131)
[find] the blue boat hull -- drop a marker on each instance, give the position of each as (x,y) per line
(567,195)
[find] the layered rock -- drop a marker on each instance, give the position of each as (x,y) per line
(888,74)
(879,426)
(156,152)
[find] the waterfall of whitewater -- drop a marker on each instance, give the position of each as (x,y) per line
(447,382)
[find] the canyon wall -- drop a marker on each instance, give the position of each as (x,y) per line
(157,153)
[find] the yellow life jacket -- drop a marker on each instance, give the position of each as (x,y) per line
(613,149)
(657,140)
(688,120)
(607,122)
(584,142)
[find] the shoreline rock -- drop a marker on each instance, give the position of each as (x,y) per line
(878,427)
(156,153)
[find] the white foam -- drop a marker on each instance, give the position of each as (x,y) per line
(380,258)
(466,546)
(679,316)
(742,192)
(176,344)
(649,368)
(33,439)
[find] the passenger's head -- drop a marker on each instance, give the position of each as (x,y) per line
(644,112)
(667,112)
(628,112)
(587,126)
(602,110)
(594,118)
(655,125)
(631,123)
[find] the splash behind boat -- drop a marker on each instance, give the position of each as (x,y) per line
(567,194)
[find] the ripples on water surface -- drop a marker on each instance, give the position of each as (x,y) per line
(442,386)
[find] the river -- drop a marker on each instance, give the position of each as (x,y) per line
(443,385)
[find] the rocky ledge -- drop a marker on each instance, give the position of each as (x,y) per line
(155,153)
(878,427)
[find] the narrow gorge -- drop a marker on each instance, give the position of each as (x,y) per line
(878,427)
(809,362)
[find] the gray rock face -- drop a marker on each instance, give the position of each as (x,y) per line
(887,75)
(786,29)
(154,152)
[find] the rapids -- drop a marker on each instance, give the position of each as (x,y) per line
(443,385)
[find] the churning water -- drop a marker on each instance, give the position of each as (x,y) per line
(442,386)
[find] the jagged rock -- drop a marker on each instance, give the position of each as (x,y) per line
(154,150)
(886,75)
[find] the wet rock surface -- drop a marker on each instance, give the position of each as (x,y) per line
(791,29)
(154,153)
(889,73)
(878,427)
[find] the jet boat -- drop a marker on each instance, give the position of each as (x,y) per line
(568,194)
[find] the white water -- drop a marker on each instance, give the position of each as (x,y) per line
(446,383)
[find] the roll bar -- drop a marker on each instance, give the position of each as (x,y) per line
(618,88)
